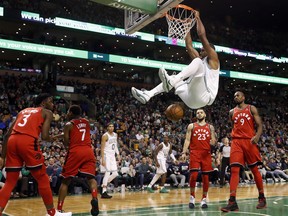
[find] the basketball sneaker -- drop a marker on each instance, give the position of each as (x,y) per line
(140,95)
(150,190)
(204,203)
(105,195)
(166,80)
(261,203)
(95,208)
(164,190)
(232,206)
(57,213)
(192,202)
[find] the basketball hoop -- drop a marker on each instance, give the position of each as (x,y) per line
(180,20)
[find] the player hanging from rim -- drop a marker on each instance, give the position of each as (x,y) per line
(197,84)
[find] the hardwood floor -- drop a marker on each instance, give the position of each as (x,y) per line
(130,201)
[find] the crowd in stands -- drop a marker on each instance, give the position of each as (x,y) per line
(140,129)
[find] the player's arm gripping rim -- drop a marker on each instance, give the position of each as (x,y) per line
(192,52)
(213,59)
(259,125)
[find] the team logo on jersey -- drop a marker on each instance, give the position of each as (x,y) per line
(241,116)
(201,131)
(38,156)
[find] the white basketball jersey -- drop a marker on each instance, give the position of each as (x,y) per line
(212,80)
(163,153)
(111,143)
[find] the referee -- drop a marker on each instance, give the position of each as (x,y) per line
(225,158)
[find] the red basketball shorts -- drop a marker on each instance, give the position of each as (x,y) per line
(243,151)
(200,159)
(23,148)
(79,160)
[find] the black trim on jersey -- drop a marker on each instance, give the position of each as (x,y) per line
(35,145)
(13,169)
(34,167)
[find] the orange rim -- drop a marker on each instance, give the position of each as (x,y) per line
(184,7)
(179,6)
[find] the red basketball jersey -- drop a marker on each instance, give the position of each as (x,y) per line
(200,137)
(80,133)
(243,123)
(29,121)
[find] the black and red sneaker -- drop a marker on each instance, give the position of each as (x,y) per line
(261,203)
(232,206)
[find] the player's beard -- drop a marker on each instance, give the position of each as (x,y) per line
(201,119)
(238,102)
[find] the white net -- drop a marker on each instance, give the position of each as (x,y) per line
(180,20)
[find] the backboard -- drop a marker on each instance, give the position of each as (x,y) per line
(134,21)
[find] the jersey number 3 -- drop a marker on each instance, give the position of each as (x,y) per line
(25,118)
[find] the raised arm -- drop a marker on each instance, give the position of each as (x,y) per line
(211,53)
(193,53)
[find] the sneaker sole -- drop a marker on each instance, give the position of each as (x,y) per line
(106,197)
(225,210)
(204,206)
(191,206)
(138,96)
(95,208)
(164,80)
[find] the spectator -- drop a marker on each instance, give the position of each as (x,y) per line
(145,173)
(175,174)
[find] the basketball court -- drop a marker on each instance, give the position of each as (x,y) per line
(173,203)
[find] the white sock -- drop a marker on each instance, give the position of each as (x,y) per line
(155,91)
(154,180)
(105,180)
(112,176)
